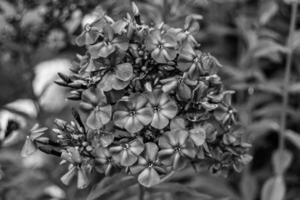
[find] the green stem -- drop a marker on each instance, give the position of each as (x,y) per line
(287,76)
(142,192)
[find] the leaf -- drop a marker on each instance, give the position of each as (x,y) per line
(149,177)
(273,189)
(248,186)
(295,88)
(172,187)
(270,87)
(260,128)
(268,10)
(281,161)
(115,183)
(291,1)
(293,137)
(295,40)
(268,47)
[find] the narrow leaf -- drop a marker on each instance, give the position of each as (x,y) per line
(273,189)
(120,184)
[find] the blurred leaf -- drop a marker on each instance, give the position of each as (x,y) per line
(248,186)
(293,137)
(32,17)
(7,8)
(271,87)
(281,161)
(272,110)
(262,127)
(273,189)
(291,1)
(266,48)
(118,183)
(295,40)
(268,10)
(24,107)
(179,188)
(295,88)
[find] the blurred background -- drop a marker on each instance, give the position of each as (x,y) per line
(247,36)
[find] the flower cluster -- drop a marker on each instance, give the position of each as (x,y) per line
(153,103)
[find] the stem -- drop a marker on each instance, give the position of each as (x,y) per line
(142,192)
(287,76)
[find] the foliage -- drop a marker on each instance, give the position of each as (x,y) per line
(248,37)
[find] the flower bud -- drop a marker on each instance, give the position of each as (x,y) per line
(28,148)
(135,9)
(66,179)
(82,179)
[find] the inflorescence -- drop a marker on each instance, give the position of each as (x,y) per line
(154,104)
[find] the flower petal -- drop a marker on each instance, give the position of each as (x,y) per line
(190,151)
(136,147)
(169,110)
(164,143)
(160,55)
(106,140)
(121,43)
(145,115)
(106,83)
(139,101)
(120,118)
(177,137)
(124,71)
(101,49)
(159,121)
(184,92)
(170,85)
(104,113)
(118,84)
(178,123)
(153,39)
(151,151)
(165,156)
(128,158)
(198,136)
(136,169)
(149,177)
(133,125)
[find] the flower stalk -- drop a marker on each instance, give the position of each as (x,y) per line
(286,83)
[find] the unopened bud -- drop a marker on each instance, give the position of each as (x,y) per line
(66,179)
(61,124)
(135,9)
(82,179)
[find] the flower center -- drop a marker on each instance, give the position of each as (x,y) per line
(180,80)
(196,59)
(87,27)
(150,164)
(160,45)
(98,108)
(126,146)
(156,108)
(177,148)
(132,113)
